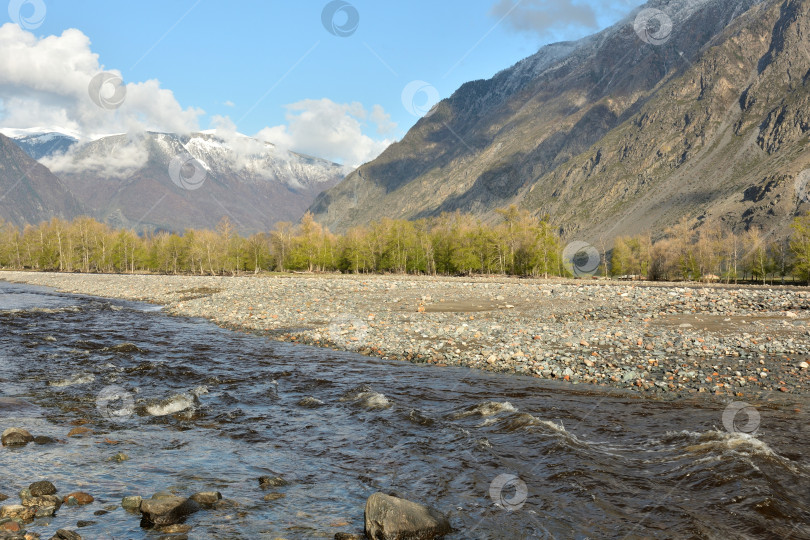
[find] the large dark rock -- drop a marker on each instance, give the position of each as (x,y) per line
(391,518)
(16,437)
(166,510)
(43,487)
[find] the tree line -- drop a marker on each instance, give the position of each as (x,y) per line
(451,244)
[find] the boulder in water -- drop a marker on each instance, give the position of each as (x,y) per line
(391,518)
(41,439)
(132,503)
(43,487)
(206,498)
(65,534)
(17,511)
(16,437)
(41,500)
(266,482)
(166,510)
(78,498)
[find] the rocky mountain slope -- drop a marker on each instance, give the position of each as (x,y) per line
(168,181)
(29,193)
(615,134)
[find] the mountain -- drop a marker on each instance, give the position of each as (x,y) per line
(42,142)
(29,193)
(615,134)
(169,181)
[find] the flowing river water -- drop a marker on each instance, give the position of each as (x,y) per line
(199,408)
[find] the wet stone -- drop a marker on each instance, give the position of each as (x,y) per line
(207,498)
(131,503)
(41,440)
(78,498)
(42,487)
(166,510)
(65,534)
(267,482)
(16,437)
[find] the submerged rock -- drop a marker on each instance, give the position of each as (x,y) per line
(65,534)
(206,498)
(132,503)
(391,518)
(41,439)
(266,482)
(166,510)
(45,511)
(16,437)
(78,498)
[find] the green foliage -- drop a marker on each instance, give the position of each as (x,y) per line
(450,244)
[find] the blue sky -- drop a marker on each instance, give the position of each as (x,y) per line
(243,64)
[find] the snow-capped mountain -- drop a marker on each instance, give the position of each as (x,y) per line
(171,181)
(42,142)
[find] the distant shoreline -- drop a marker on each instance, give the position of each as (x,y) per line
(663,340)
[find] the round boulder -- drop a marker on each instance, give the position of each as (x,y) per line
(16,437)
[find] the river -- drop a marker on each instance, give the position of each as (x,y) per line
(196,407)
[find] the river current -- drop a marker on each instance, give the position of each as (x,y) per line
(197,408)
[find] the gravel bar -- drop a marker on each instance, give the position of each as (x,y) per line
(662,340)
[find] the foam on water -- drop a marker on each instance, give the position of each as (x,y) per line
(310,402)
(488,408)
(367,398)
(174,404)
(81,378)
(177,403)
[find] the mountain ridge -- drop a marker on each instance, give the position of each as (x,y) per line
(29,192)
(603,122)
(136,180)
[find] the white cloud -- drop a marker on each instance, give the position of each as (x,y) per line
(229,103)
(544,16)
(44,82)
(383,120)
(331,130)
(117,160)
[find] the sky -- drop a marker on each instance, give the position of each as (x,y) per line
(337,79)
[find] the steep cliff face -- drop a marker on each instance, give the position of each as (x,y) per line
(612,134)
(29,192)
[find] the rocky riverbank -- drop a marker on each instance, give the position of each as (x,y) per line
(667,340)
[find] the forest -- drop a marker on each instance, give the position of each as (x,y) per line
(518,244)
